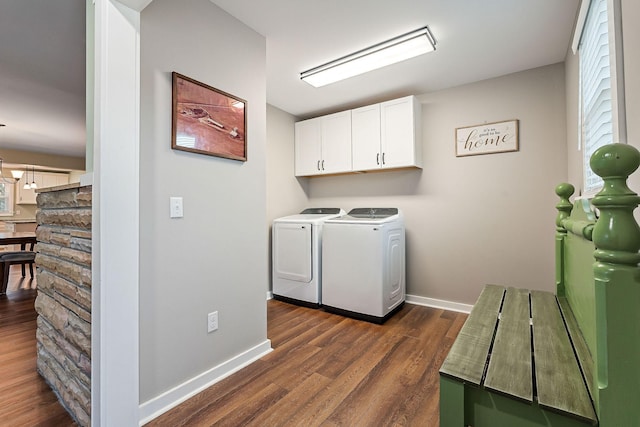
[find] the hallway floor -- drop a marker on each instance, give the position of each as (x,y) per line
(26,400)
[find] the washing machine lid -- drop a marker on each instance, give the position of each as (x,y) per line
(313,215)
(369,216)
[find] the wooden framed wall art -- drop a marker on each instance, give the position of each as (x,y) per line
(488,138)
(208,121)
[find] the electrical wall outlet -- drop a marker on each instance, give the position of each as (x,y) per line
(212,321)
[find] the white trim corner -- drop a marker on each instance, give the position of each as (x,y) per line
(577,32)
(438,303)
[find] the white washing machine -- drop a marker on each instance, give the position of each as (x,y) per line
(297,255)
(363,264)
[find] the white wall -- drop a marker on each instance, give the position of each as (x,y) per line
(286,194)
(480,219)
(215,258)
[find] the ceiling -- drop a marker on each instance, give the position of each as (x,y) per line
(42,65)
(476,40)
(42,76)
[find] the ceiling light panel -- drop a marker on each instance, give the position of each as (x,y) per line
(386,53)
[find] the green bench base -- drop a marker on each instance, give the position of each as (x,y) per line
(513,364)
(467,405)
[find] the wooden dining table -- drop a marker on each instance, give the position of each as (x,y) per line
(22,238)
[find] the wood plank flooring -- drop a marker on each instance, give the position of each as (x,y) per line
(25,398)
(325,370)
(328,370)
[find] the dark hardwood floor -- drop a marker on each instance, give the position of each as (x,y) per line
(328,370)
(25,399)
(325,370)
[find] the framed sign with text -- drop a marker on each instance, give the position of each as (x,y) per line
(488,138)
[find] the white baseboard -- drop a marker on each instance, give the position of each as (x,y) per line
(159,405)
(439,303)
(427,302)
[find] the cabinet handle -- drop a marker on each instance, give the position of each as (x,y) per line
(318,165)
(378,159)
(383,158)
(322,164)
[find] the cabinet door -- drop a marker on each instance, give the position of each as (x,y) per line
(62,179)
(400,129)
(308,140)
(49,180)
(336,143)
(365,138)
(54,179)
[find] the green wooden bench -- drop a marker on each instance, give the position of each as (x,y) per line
(532,358)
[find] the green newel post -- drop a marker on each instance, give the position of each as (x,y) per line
(564,191)
(617,288)
(616,234)
(564,206)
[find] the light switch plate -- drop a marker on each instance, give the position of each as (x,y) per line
(176,210)
(212,321)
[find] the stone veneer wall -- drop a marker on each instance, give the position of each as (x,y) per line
(64,296)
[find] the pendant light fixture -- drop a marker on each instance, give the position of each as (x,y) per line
(26,185)
(33,185)
(380,55)
(26,179)
(16,175)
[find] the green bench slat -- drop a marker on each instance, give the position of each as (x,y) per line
(468,355)
(509,370)
(559,381)
(579,344)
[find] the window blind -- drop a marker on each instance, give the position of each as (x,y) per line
(595,89)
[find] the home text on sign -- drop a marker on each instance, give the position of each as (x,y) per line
(487,138)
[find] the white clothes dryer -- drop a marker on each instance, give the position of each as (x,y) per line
(297,255)
(363,268)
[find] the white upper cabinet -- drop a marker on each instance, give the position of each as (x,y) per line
(378,136)
(400,130)
(365,138)
(323,145)
(387,135)
(308,146)
(336,143)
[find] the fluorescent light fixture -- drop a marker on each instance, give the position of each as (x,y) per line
(380,55)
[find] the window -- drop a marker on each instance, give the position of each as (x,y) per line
(601,87)
(6,199)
